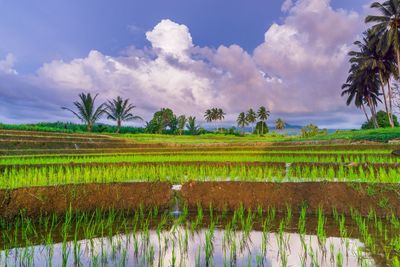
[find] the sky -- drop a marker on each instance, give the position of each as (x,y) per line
(287,55)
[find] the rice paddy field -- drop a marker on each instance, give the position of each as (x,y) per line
(143,200)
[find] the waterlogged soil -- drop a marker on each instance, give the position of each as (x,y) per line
(83,197)
(383,198)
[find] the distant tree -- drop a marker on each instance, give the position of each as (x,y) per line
(181,123)
(280,124)
(209,116)
(383,121)
(312,130)
(86,110)
(241,121)
(263,115)
(162,120)
(214,114)
(192,126)
(120,110)
(261,128)
(251,117)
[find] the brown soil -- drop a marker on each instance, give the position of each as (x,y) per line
(85,197)
(383,198)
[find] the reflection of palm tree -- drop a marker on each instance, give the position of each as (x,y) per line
(263,115)
(251,118)
(241,121)
(86,111)
(280,124)
(120,110)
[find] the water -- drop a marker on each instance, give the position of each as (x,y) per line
(203,238)
(179,247)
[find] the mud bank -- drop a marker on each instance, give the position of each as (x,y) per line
(83,197)
(383,198)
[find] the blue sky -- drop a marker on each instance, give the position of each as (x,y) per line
(40,31)
(41,38)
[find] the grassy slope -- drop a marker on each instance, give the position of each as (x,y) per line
(205,138)
(381,135)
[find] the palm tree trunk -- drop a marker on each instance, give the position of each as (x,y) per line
(385,99)
(398,59)
(89,127)
(373,113)
(262,127)
(365,112)
(390,101)
(118,125)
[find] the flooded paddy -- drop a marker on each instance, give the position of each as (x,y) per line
(200,238)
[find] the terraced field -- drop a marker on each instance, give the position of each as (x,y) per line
(43,175)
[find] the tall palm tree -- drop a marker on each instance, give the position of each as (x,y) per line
(181,123)
(192,125)
(280,124)
(214,114)
(209,115)
(386,32)
(86,110)
(120,110)
(263,115)
(369,58)
(362,87)
(251,118)
(386,28)
(219,114)
(241,121)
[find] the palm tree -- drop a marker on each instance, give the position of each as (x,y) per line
(219,114)
(120,110)
(263,115)
(386,28)
(181,123)
(370,59)
(192,125)
(209,115)
(86,110)
(386,33)
(251,118)
(280,124)
(362,87)
(241,121)
(214,114)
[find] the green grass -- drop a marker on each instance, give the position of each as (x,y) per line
(211,157)
(204,139)
(380,135)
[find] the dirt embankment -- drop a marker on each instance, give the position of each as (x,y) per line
(83,197)
(382,198)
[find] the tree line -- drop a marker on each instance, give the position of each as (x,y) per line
(375,65)
(164,120)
